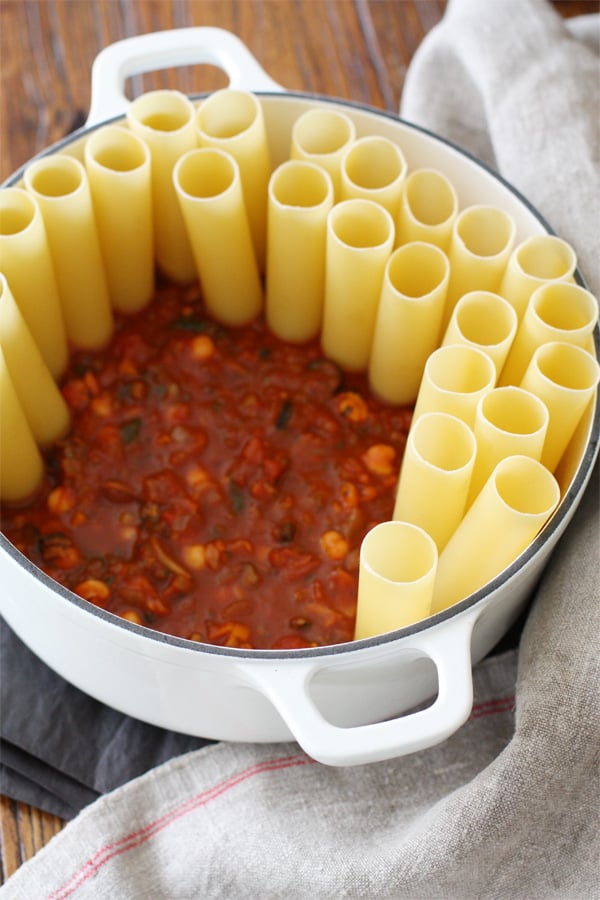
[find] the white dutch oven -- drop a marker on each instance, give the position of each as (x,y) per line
(344,704)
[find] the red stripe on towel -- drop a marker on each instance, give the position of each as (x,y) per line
(500,705)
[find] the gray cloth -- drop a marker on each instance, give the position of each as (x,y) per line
(507,808)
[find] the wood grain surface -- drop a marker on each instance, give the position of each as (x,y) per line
(351,49)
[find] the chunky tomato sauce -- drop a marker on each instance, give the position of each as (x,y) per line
(216,483)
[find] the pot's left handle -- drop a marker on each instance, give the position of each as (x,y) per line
(163,49)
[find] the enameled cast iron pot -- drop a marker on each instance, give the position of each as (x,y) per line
(344,704)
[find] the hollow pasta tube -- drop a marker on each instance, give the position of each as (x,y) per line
(557,311)
(427,210)
(485,320)
(322,136)
(509,422)
(408,320)
(435,475)
(233,121)
(565,377)
(513,506)
(209,189)
(374,168)
(118,165)
(360,236)
(164,119)
(454,380)
(60,185)
(21,464)
(26,262)
(396,576)
(300,198)
(536,261)
(39,396)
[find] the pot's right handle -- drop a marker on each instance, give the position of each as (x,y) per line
(163,49)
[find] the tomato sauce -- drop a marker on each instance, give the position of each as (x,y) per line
(216,483)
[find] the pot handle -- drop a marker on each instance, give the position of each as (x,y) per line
(163,49)
(449,647)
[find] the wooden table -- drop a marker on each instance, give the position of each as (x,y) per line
(354,49)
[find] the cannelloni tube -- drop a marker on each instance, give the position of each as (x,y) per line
(21,464)
(322,136)
(360,236)
(39,396)
(482,240)
(515,503)
(509,421)
(485,320)
(300,198)
(534,262)
(455,379)
(209,189)
(435,475)
(165,121)
(232,120)
(558,311)
(60,186)
(374,168)
(408,321)
(396,576)
(26,262)
(428,208)
(565,377)
(119,171)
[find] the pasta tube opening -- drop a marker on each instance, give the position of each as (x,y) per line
(428,208)
(535,261)
(485,320)
(454,380)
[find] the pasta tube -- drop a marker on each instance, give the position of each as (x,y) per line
(165,121)
(396,576)
(60,186)
(209,189)
(322,136)
(374,168)
(119,172)
(534,262)
(26,262)
(485,320)
(565,377)
(233,121)
(455,379)
(408,321)
(39,396)
(557,311)
(360,236)
(428,208)
(300,198)
(513,506)
(435,475)
(21,464)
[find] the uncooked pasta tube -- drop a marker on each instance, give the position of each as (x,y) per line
(455,379)
(209,189)
(40,398)
(428,208)
(558,311)
(482,241)
(513,506)
(26,262)
(396,576)
(485,320)
(59,184)
(509,421)
(21,464)
(533,262)
(360,236)
(232,120)
(118,167)
(322,136)
(565,377)
(408,321)
(374,168)
(165,121)
(300,198)
(435,475)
